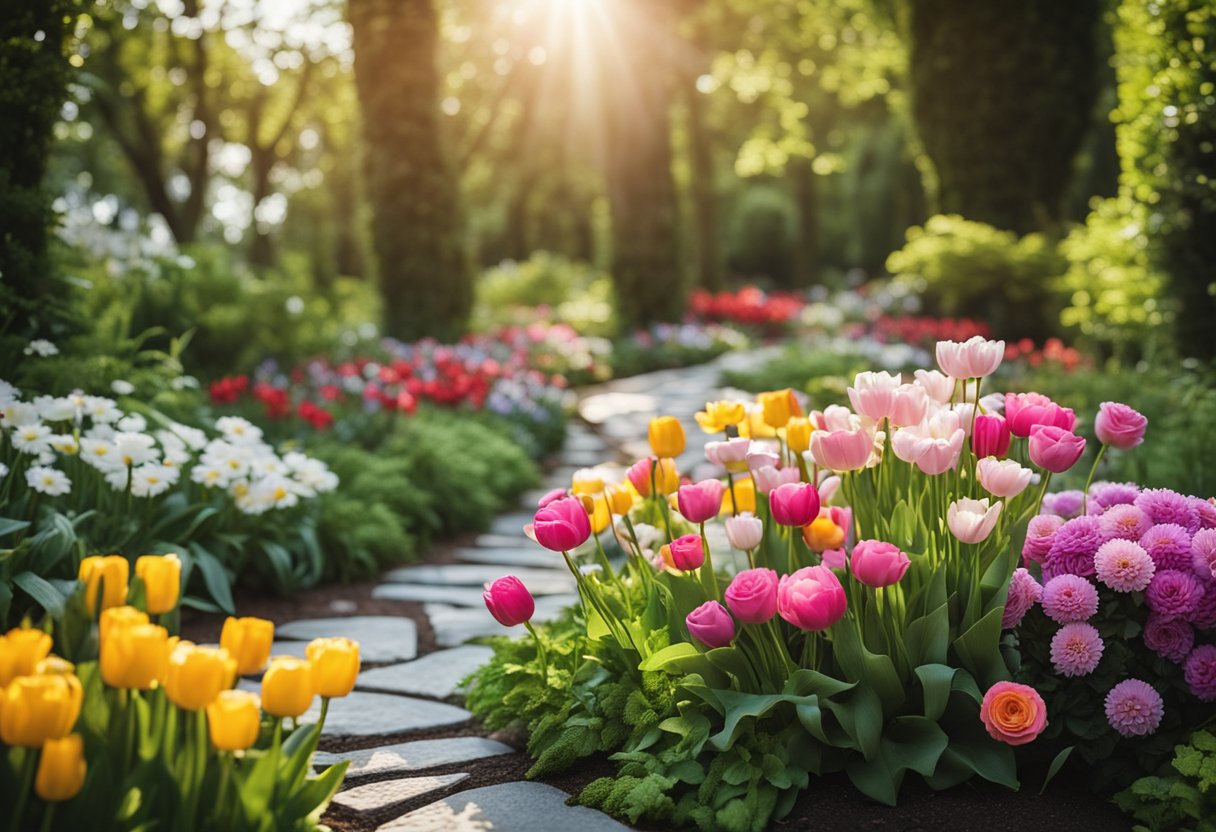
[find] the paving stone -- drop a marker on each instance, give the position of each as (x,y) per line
(585,458)
(436,675)
(511,524)
(367,714)
(382,638)
(411,756)
(506,807)
(603,408)
(472,574)
(385,794)
(501,541)
(534,556)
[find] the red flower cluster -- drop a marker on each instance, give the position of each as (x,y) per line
(1053,352)
(749,305)
(925,331)
(228,390)
(275,399)
(318,417)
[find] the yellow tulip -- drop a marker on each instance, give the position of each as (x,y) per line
(798,434)
(54,666)
(620,497)
(666,437)
(135,657)
(665,554)
(39,708)
(197,675)
(335,664)
(115,618)
(248,641)
(162,577)
(777,407)
(597,512)
(666,477)
(287,688)
(20,652)
(587,481)
(234,719)
(61,770)
(822,534)
(115,570)
(745,494)
(720,415)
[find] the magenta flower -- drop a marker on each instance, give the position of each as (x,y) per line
(977,357)
(744,531)
(711,625)
(794,503)
(1040,535)
(1119,426)
(1055,449)
(1125,522)
(1203,553)
(1124,566)
(842,450)
(688,552)
(1068,598)
(1067,504)
(811,598)
(702,501)
(991,436)
(752,595)
(878,564)
(1205,512)
(1025,411)
(1169,637)
(1024,593)
(1169,545)
(509,601)
(1072,550)
(768,478)
(1165,506)
(1173,592)
(552,496)
(1133,708)
(1107,494)
(1204,615)
(1200,672)
(1076,649)
(562,525)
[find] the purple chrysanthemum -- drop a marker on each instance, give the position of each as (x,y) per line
(1124,566)
(1024,593)
(1125,522)
(1205,512)
(1173,592)
(1204,614)
(1040,535)
(1203,553)
(1064,503)
(1165,506)
(1133,708)
(1068,598)
(1169,637)
(1076,649)
(1200,672)
(1107,494)
(1169,545)
(1072,551)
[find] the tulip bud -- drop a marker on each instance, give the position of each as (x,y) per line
(720,415)
(777,407)
(197,675)
(811,598)
(1055,449)
(1119,426)
(878,564)
(798,434)
(135,657)
(39,708)
(620,498)
(991,436)
(971,521)
(752,595)
(21,651)
(687,552)
(234,719)
(587,481)
(61,769)
(55,666)
(111,570)
(248,641)
(794,504)
(335,665)
(287,688)
(666,436)
(701,501)
(711,625)
(162,577)
(562,525)
(116,618)
(744,531)
(509,601)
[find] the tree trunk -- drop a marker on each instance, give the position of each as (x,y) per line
(414,194)
(704,193)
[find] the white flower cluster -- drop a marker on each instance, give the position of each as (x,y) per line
(148,463)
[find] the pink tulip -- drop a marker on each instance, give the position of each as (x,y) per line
(711,625)
(752,595)
(509,601)
(811,598)
(878,564)
(744,531)
(794,503)
(873,394)
(835,417)
(639,475)
(977,357)
(835,558)
(562,525)
(1025,410)
(939,386)
(731,454)
(971,521)
(759,455)
(965,412)
(701,501)
(991,436)
(1119,426)
(909,405)
(842,450)
(1055,449)
(1003,477)
(933,446)
(551,496)
(828,489)
(768,478)
(688,552)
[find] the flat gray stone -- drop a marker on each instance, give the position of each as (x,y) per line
(585,458)
(382,638)
(367,714)
(386,794)
(437,675)
(411,756)
(478,575)
(511,524)
(462,596)
(502,541)
(531,555)
(603,408)
(506,807)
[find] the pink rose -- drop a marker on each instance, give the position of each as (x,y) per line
(1119,426)
(562,525)
(1014,714)
(752,595)
(878,564)
(711,625)
(1055,449)
(688,552)
(811,598)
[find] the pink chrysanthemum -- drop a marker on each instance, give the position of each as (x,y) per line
(1124,566)
(1076,649)
(1107,494)
(1064,503)
(1072,551)
(1024,593)
(1200,672)
(1169,545)
(1203,553)
(1124,522)
(1040,534)
(1171,638)
(1165,506)
(1133,708)
(1174,592)
(1068,598)
(1204,614)
(1205,512)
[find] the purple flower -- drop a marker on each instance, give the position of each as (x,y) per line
(1064,503)
(1204,614)
(1165,506)
(1024,593)
(1133,708)
(1076,649)
(1200,672)
(1169,545)
(1124,566)
(1173,592)
(1107,494)
(1203,553)
(1072,551)
(1205,512)
(1124,521)
(1040,535)
(1068,598)
(1169,637)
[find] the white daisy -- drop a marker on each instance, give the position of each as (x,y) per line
(132,423)
(238,431)
(99,453)
(65,443)
(210,476)
(194,438)
(41,347)
(18,414)
(32,439)
(134,448)
(48,481)
(101,409)
(8,393)
(150,479)
(3,470)
(54,409)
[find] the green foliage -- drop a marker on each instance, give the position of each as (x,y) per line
(761,236)
(972,269)
(577,294)
(1185,800)
(823,374)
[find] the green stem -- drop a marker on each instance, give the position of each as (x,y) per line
(48,817)
(324,713)
(793,560)
(28,765)
(1090,479)
(730,484)
(540,648)
(708,579)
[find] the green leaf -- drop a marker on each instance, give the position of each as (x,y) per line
(911,743)
(1056,765)
(936,682)
(979,649)
(874,670)
(215,577)
(928,637)
(47,596)
(669,656)
(8,525)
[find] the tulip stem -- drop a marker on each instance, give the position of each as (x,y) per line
(1090,479)
(324,713)
(27,782)
(708,579)
(734,503)
(48,817)
(793,559)
(540,649)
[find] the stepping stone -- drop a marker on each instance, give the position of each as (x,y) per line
(382,638)
(586,459)
(437,675)
(511,524)
(534,557)
(411,756)
(502,541)
(386,794)
(508,807)
(368,714)
(471,574)
(462,596)
(603,408)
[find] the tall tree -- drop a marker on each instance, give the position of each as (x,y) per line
(417,228)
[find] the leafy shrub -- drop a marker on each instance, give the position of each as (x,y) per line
(565,290)
(1184,799)
(760,239)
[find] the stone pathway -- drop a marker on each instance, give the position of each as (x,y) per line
(401,693)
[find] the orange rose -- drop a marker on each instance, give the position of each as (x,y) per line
(1014,714)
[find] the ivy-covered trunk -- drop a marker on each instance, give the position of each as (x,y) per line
(412,187)
(1002,95)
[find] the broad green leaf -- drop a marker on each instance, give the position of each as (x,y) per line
(668,655)
(1056,765)
(927,639)
(47,596)
(936,684)
(8,525)
(215,577)
(979,649)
